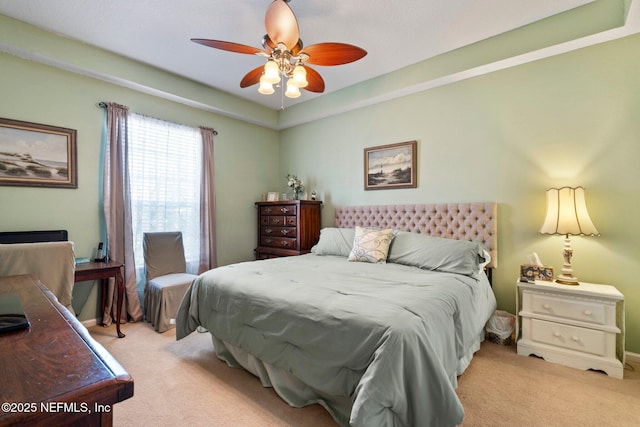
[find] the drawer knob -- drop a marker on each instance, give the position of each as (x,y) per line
(587,313)
(284,210)
(574,339)
(556,334)
(268,241)
(285,231)
(268,230)
(276,220)
(546,306)
(268,210)
(285,243)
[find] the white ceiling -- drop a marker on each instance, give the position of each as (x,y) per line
(395,33)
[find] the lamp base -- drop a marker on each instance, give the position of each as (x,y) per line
(567,280)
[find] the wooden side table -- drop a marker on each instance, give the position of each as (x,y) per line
(103,271)
(54,372)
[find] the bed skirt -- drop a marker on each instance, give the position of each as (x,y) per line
(287,386)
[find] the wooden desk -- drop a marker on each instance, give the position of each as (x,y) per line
(103,271)
(54,373)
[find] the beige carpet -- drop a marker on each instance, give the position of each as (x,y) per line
(183,383)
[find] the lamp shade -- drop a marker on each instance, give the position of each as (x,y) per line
(567,213)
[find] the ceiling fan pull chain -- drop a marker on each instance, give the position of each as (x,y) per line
(281,98)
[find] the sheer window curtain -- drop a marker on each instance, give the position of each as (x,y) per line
(117,212)
(208,255)
(167,170)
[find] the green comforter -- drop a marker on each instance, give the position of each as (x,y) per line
(391,338)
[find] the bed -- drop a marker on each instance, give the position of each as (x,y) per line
(375,324)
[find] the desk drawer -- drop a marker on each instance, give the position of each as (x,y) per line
(570,337)
(584,311)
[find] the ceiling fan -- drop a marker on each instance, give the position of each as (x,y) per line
(286,55)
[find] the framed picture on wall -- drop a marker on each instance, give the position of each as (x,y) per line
(37,155)
(390,166)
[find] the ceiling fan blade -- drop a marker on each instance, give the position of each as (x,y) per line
(252,77)
(281,24)
(228,46)
(333,53)
(316,84)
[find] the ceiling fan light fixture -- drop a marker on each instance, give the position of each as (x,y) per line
(271,72)
(300,76)
(292,89)
(286,56)
(266,87)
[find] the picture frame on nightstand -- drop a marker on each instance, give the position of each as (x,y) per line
(535,272)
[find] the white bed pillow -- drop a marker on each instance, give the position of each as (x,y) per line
(335,241)
(371,244)
(436,253)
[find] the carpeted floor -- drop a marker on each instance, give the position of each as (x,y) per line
(183,383)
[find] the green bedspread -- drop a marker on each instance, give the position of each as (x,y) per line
(391,338)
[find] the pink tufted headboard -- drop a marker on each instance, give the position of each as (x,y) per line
(468,221)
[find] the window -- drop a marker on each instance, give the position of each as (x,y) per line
(164,171)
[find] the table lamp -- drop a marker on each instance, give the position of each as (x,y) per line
(567,214)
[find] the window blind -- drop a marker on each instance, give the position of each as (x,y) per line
(164,162)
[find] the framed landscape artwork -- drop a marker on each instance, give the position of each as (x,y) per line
(390,166)
(37,155)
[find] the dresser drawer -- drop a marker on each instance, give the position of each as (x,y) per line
(279,242)
(279,221)
(570,337)
(278,231)
(279,210)
(584,311)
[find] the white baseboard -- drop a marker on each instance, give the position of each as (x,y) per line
(89,323)
(632,357)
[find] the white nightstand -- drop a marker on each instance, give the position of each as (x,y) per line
(579,326)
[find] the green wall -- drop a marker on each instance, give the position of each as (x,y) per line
(507,136)
(246,161)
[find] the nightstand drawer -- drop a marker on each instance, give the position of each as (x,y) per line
(570,337)
(568,308)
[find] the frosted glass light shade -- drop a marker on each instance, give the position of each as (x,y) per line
(266,88)
(292,89)
(271,72)
(300,76)
(567,213)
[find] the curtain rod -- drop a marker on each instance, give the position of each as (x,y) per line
(103,104)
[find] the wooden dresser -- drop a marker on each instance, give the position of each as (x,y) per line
(287,228)
(54,372)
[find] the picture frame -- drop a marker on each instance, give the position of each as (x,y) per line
(273,196)
(37,155)
(534,272)
(391,166)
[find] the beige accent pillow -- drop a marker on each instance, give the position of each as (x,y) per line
(371,245)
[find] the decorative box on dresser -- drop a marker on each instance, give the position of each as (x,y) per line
(578,326)
(287,228)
